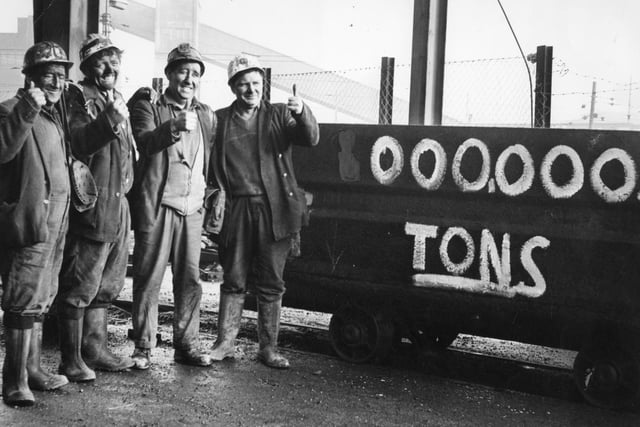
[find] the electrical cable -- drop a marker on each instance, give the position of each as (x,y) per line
(524,58)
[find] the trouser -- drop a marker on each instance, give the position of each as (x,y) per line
(174,238)
(93,272)
(249,251)
(30,282)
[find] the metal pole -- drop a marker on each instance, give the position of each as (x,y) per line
(435,62)
(266,90)
(385,107)
(418,84)
(593,104)
(544,65)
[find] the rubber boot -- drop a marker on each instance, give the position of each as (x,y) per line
(268,327)
(73,366)
(192,357)
(95,351)
(15,379)
(229,317)
(38,378)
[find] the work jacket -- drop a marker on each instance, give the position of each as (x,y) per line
(24,179)
(101,146)
(278,131)
(152,131)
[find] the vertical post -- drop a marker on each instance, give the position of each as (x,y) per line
(266,90)
(156,84)
(66,23)
(592,110)
(435,62)
(385,108)
(544,65)
(418,84)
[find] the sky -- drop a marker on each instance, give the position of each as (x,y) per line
(593,40)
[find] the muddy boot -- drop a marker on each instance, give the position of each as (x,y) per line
(268,326)
(95,352)
(15,383)
(191,357)
(229,317)
(141,358)
(38,378)
(73,365)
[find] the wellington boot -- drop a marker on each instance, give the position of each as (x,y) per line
(95,352)
(15,379)
(229,317)
(191,357)
(38,378)
(73,366)
(268,328)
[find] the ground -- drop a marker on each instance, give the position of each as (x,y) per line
(457,387)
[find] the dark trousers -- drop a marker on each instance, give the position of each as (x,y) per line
(174,238)
(93,272)
(250,252)
(30,282)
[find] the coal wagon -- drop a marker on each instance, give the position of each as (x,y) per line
(531,235)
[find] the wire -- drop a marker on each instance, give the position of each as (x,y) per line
(44,11)
(524,58)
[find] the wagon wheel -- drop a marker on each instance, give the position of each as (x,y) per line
(607,376)
(360,335)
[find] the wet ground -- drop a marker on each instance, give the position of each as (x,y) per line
(477,382)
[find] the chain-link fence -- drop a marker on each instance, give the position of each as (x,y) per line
(477,92)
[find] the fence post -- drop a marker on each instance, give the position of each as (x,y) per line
(156,84)
(544,65)
(418,85)
(385,111)
(266,90)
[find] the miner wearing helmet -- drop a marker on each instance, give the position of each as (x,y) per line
(174,134)
(96,252)
(265,209)
(34,209)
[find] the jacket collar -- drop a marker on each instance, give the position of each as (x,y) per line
(167,101)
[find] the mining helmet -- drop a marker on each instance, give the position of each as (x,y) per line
(93,44)
(184,52)
(44,53)
(242,63)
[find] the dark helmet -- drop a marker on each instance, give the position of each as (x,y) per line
(93,44)
(184,52)
(44,53)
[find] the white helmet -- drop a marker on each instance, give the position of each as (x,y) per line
(242,63)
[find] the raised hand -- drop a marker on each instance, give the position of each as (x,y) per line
(35,95)
(294,103)
(116,110)
(185,121)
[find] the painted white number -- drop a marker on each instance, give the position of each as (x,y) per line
(439,167)
(381,146)
(483,177)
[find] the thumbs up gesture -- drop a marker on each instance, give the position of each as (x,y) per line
(116,109)
(294,103)
(35,95)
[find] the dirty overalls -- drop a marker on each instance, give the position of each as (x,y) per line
(176,237)
(30,278)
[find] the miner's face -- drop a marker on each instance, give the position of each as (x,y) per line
(104,68)
(248,88)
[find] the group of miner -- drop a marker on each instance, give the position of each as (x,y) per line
(153,160)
